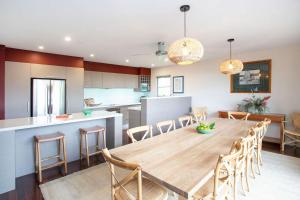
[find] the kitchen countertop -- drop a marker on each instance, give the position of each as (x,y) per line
(111,106)
(33,122)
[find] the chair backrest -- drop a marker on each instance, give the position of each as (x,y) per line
(168,125)
(145,130)
(238,115)
(199,113)
(225,170)
(259,131)
(296,120)
(116,184)
(185,121)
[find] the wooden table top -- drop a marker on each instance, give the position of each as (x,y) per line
(183,160)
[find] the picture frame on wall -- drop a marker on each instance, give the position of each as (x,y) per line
(256,77)
(178,84)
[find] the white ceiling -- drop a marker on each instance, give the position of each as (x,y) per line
(114,30)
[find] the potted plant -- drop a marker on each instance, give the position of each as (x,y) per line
(254,104)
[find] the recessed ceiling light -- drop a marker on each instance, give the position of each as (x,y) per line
(41,47)
(127,60)
(152,65)
(68,38)
(92,55)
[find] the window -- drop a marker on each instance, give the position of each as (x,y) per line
(163,86)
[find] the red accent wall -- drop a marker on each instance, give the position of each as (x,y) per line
(2,82)
(19,55)
(103,67)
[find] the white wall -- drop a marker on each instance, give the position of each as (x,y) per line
(208,87)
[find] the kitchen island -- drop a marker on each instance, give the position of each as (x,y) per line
(17,143)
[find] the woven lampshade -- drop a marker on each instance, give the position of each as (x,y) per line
(185,51)
(231,67)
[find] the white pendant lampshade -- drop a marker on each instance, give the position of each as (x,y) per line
(231,66)
(185,51)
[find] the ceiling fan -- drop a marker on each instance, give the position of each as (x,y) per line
(161,52)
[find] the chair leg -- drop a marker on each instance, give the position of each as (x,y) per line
(65,155)
(235,186)
(252,167)
(104,138)
(247,175)
(258,161)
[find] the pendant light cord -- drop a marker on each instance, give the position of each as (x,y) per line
(230,52)
(184,24)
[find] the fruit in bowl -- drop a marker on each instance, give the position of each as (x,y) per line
(205,128)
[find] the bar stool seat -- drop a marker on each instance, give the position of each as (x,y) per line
(86,150)
(61,157)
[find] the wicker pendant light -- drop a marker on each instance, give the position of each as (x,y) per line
(231,66)
(185,51)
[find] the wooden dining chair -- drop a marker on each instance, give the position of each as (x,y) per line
(166,125)
(254,153)
(199,114)
(218,187)
(291,135)
(142,131)
(258,148)
(133,186)
(185,121)
(238,115)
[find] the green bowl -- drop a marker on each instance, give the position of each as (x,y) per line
(205,131)
(87,112)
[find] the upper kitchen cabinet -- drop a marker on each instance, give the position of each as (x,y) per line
(48,71)
(75,79)
(93,79)
(131,81)
(113,80)
(17,90)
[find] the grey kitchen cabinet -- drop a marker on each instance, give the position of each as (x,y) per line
(93,79)
(113,80)
(75,96)
(131,81)
(48,71)
(17,90)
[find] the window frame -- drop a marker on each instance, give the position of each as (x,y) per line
(157,86)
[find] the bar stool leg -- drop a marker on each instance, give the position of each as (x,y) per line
(80,148)
(36,158)
(65,155)
(104,138)
(39,163)
(87,150)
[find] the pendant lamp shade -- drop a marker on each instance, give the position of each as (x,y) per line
(231,66)
(187,50)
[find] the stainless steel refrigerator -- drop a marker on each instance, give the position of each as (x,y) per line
(48,97)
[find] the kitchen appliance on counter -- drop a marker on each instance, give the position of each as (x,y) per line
(48,96)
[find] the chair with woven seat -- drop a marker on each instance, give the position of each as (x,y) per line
(199,114)
(218,187)
(168,125)
(293,133)
(238,115)
(133,186)
(185,121)
(146,131)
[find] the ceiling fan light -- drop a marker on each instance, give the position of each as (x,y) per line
(231,67)
(185,51)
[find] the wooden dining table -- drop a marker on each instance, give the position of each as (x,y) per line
(184,160)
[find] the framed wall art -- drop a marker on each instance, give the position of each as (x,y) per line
(178,84)
(256,77)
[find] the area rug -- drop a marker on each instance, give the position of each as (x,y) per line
(280,179)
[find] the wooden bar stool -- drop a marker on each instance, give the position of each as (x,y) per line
(85,149)
(61,156)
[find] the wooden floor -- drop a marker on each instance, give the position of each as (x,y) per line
(28,189)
